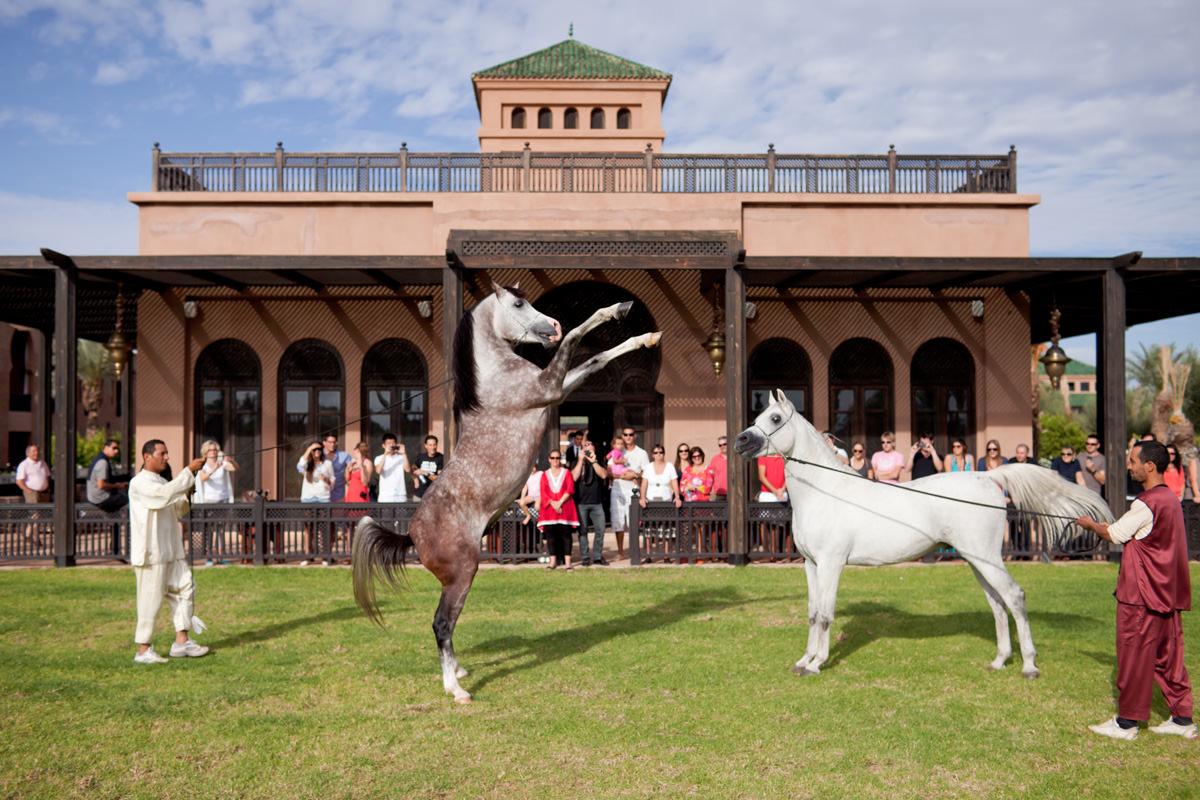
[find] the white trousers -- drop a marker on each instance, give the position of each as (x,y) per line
(172,581)
(618,504)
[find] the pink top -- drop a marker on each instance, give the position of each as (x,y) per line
(720,471)
(887,462)
(696,483)
(616,461)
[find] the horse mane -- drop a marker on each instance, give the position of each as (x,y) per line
(821,453)
(466,394)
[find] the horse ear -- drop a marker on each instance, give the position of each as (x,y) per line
(497,288)
(778,396)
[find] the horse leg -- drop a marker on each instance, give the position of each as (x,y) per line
(1003,638)
(454,594)
(575,378)
(1008,590)
(829,573)
(810,651)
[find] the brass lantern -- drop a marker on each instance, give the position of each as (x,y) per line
(118,348)
(714,345)
(1055,360)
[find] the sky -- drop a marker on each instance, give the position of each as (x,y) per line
(1101,99)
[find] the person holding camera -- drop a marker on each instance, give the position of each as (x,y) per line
(924,460)
(392,467)
(588,474)
(317,483)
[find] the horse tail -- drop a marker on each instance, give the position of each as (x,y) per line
(1043,491)
(378,552)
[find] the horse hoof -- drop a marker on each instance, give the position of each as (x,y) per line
(653,339)
(461,673)
(1032,674)
(624,308)
(798,670)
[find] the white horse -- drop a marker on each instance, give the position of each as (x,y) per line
(838,518)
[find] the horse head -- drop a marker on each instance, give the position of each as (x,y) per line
(516,321)
(779,429)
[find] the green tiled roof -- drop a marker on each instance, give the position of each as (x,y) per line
(1073,368)
(572,59)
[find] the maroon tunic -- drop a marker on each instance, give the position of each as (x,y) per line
(1154,570)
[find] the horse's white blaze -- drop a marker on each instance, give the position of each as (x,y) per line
(838,518)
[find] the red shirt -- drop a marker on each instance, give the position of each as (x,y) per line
(720,470)
(774,471)
(547,515)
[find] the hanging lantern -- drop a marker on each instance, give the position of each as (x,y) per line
(118,348)
(714,345)
(1055,359)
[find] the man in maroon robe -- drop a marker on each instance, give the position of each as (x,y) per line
(1153,587)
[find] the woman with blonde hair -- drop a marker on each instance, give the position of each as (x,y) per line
(214,484)
(992,459)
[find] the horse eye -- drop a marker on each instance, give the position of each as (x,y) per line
(776,418)
(518,304)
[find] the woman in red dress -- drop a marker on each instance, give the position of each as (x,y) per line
(558,517)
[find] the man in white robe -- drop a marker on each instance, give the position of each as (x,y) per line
(157,554)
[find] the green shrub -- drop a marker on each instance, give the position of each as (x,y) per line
(1058,431)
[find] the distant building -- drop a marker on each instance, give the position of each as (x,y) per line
(1077,386)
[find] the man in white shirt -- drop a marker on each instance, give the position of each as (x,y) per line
(33,476)
(392,467)
(157,554)
(636,461)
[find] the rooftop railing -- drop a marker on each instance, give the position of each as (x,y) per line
(529,171)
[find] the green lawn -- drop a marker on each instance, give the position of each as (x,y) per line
(632,683)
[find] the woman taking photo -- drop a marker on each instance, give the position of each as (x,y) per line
(558,516)
(214,484)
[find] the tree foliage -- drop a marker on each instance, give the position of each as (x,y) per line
(1058,431)
(1143,371)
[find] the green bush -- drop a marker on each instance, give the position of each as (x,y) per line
(86,447)
(1058,431)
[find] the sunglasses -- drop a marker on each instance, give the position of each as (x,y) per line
(857,450)
(556,458)
(657,452)
(993,449)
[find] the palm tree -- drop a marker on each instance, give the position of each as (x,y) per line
(92,366)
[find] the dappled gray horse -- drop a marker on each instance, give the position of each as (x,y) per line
(502,406)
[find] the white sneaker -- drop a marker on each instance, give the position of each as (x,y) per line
(189,649)
(1171,726)
(1108,728)
(149,657)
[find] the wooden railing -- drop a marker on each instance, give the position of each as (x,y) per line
(527,171)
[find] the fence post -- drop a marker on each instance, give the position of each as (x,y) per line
(404,166)
(259,520)
(279,166)
(891,161)
(1012,168)
(771,167)
(635,540)
(526,178)
(156,164)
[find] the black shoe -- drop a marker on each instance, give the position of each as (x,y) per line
(585,563)
(601,563)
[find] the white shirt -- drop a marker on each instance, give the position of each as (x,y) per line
(1133,524)
(155,506)
(218,488)
(658,485)
(317,489)
(36,474)
(636,461)
(393,477)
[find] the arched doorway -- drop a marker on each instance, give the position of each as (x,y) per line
(228,397)
(623,392)
(943,397)
(311,402)
(860,392)
(779,364)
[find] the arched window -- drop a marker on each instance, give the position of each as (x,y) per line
(623,119)
(779,364)
(228,394)
(943,400)
(571,119)
(860,392)
(545,118)
(311,400)
(518,118)
(597,118)
(394,385)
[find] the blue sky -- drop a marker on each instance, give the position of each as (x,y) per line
(1102,99)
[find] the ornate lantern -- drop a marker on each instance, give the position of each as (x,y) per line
(1055,360)
(118,348)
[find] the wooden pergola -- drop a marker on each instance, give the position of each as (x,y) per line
(72,297)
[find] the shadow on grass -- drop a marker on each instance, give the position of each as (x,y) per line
(286,626)
(529,652)
(866,622)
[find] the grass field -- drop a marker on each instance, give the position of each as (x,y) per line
(632,683)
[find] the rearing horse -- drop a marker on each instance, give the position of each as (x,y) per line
(501,405)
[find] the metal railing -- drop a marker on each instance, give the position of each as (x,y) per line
(264,532)
(528,171)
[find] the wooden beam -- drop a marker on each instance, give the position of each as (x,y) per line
(382,278)
(65,280)
(1110,400)
(299,278)
(452,312)
(735,413)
